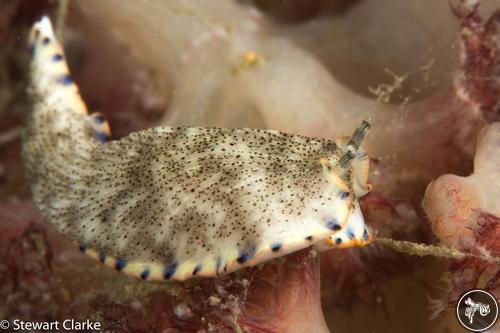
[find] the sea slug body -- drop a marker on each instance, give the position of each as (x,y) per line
(173,203)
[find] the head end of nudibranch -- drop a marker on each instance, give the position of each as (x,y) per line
(354,158)
(354,143)
(354,233)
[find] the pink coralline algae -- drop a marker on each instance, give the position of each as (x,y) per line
(478,81)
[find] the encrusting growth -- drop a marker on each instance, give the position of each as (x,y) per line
(172,203)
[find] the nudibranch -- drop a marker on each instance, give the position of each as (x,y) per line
(173,203)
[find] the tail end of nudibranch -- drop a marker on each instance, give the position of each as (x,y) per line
(43,26)
(51,80)
(58,127)
(53,87)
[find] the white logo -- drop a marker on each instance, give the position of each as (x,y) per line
(477,310)
(472,307)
